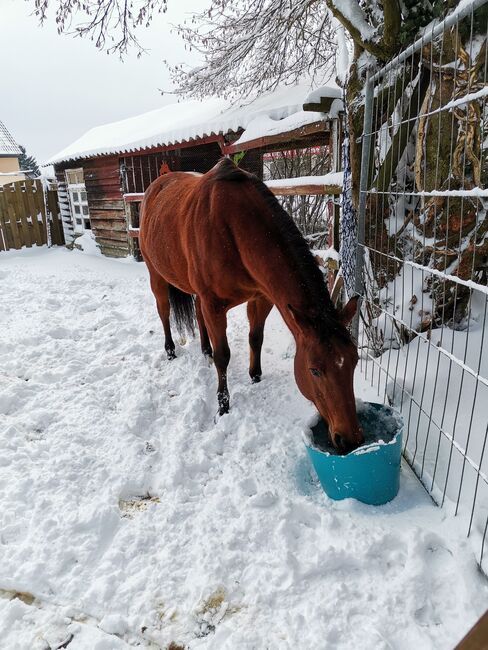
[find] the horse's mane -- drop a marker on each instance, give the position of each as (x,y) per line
(325,317)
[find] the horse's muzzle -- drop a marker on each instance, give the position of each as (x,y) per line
(345,444)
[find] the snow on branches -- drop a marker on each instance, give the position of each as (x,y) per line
(254,45)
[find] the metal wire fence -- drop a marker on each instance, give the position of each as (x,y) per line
(423,257)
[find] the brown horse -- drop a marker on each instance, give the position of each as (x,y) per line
(224,238)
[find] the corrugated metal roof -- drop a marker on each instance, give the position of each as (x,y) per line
(190,120)
(8,146)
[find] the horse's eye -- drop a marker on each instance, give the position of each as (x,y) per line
(315,372)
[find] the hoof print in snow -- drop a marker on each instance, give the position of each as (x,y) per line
(66,643)
(204,629)
(129,507)
(24,596)
(149,448)
(211,612)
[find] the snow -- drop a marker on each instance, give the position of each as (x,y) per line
(332,178)
(327,254)
(343,54)
(461,101)
(351,10)
(264,126)
(132,515)
(174,123)
(479,192)
(188,120)
(87,243)
(329,90)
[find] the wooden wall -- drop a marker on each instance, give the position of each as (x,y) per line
(105,202)
(106,205)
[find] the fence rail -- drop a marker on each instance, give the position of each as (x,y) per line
(422,261)
(28,216)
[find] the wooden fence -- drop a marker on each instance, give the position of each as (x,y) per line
(29,216)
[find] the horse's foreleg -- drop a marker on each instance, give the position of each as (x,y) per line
(257,312)
(204,340)
(215,318)
(159,288)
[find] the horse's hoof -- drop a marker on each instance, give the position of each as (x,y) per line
(256,379)
(171,355)
(208,356)
(223,404)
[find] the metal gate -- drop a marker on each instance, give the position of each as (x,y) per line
(423,257)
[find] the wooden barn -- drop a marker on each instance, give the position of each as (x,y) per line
(102,176)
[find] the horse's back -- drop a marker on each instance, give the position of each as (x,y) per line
(189,226)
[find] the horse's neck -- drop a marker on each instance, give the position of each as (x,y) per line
(273,258)
(284,285)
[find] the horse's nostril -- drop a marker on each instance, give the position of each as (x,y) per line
(339,441)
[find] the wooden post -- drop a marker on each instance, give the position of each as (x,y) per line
(36,228)
(477,637)
(21,210)
(12,217)
(39,200)
(128,220)
(3,229)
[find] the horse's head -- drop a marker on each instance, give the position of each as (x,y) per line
(324,371)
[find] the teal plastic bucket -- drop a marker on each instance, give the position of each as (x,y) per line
(371,473)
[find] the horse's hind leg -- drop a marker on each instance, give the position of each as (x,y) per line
(257,312)
(215,317)
(204,340)
(159,288)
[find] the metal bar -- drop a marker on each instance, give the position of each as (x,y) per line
(428,37)
(444,432)
(365,157)
(425,228)
(441,274)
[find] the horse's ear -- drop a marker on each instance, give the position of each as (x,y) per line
(348,312)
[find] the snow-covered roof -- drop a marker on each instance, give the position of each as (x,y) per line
(262,126)
(8,146)
(191,120)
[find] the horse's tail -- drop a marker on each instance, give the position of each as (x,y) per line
(183,306)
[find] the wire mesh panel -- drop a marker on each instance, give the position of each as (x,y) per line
(423,257)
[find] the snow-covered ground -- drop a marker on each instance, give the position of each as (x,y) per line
(131,516)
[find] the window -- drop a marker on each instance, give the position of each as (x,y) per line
(74,176)
(78,200)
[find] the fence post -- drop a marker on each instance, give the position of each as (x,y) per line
(363,188)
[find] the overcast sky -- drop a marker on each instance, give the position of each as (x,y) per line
(54,88)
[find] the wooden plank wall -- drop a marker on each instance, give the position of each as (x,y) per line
(54,220)
(106,205)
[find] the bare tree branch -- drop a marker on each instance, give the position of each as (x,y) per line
(253,45)
(110,24)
